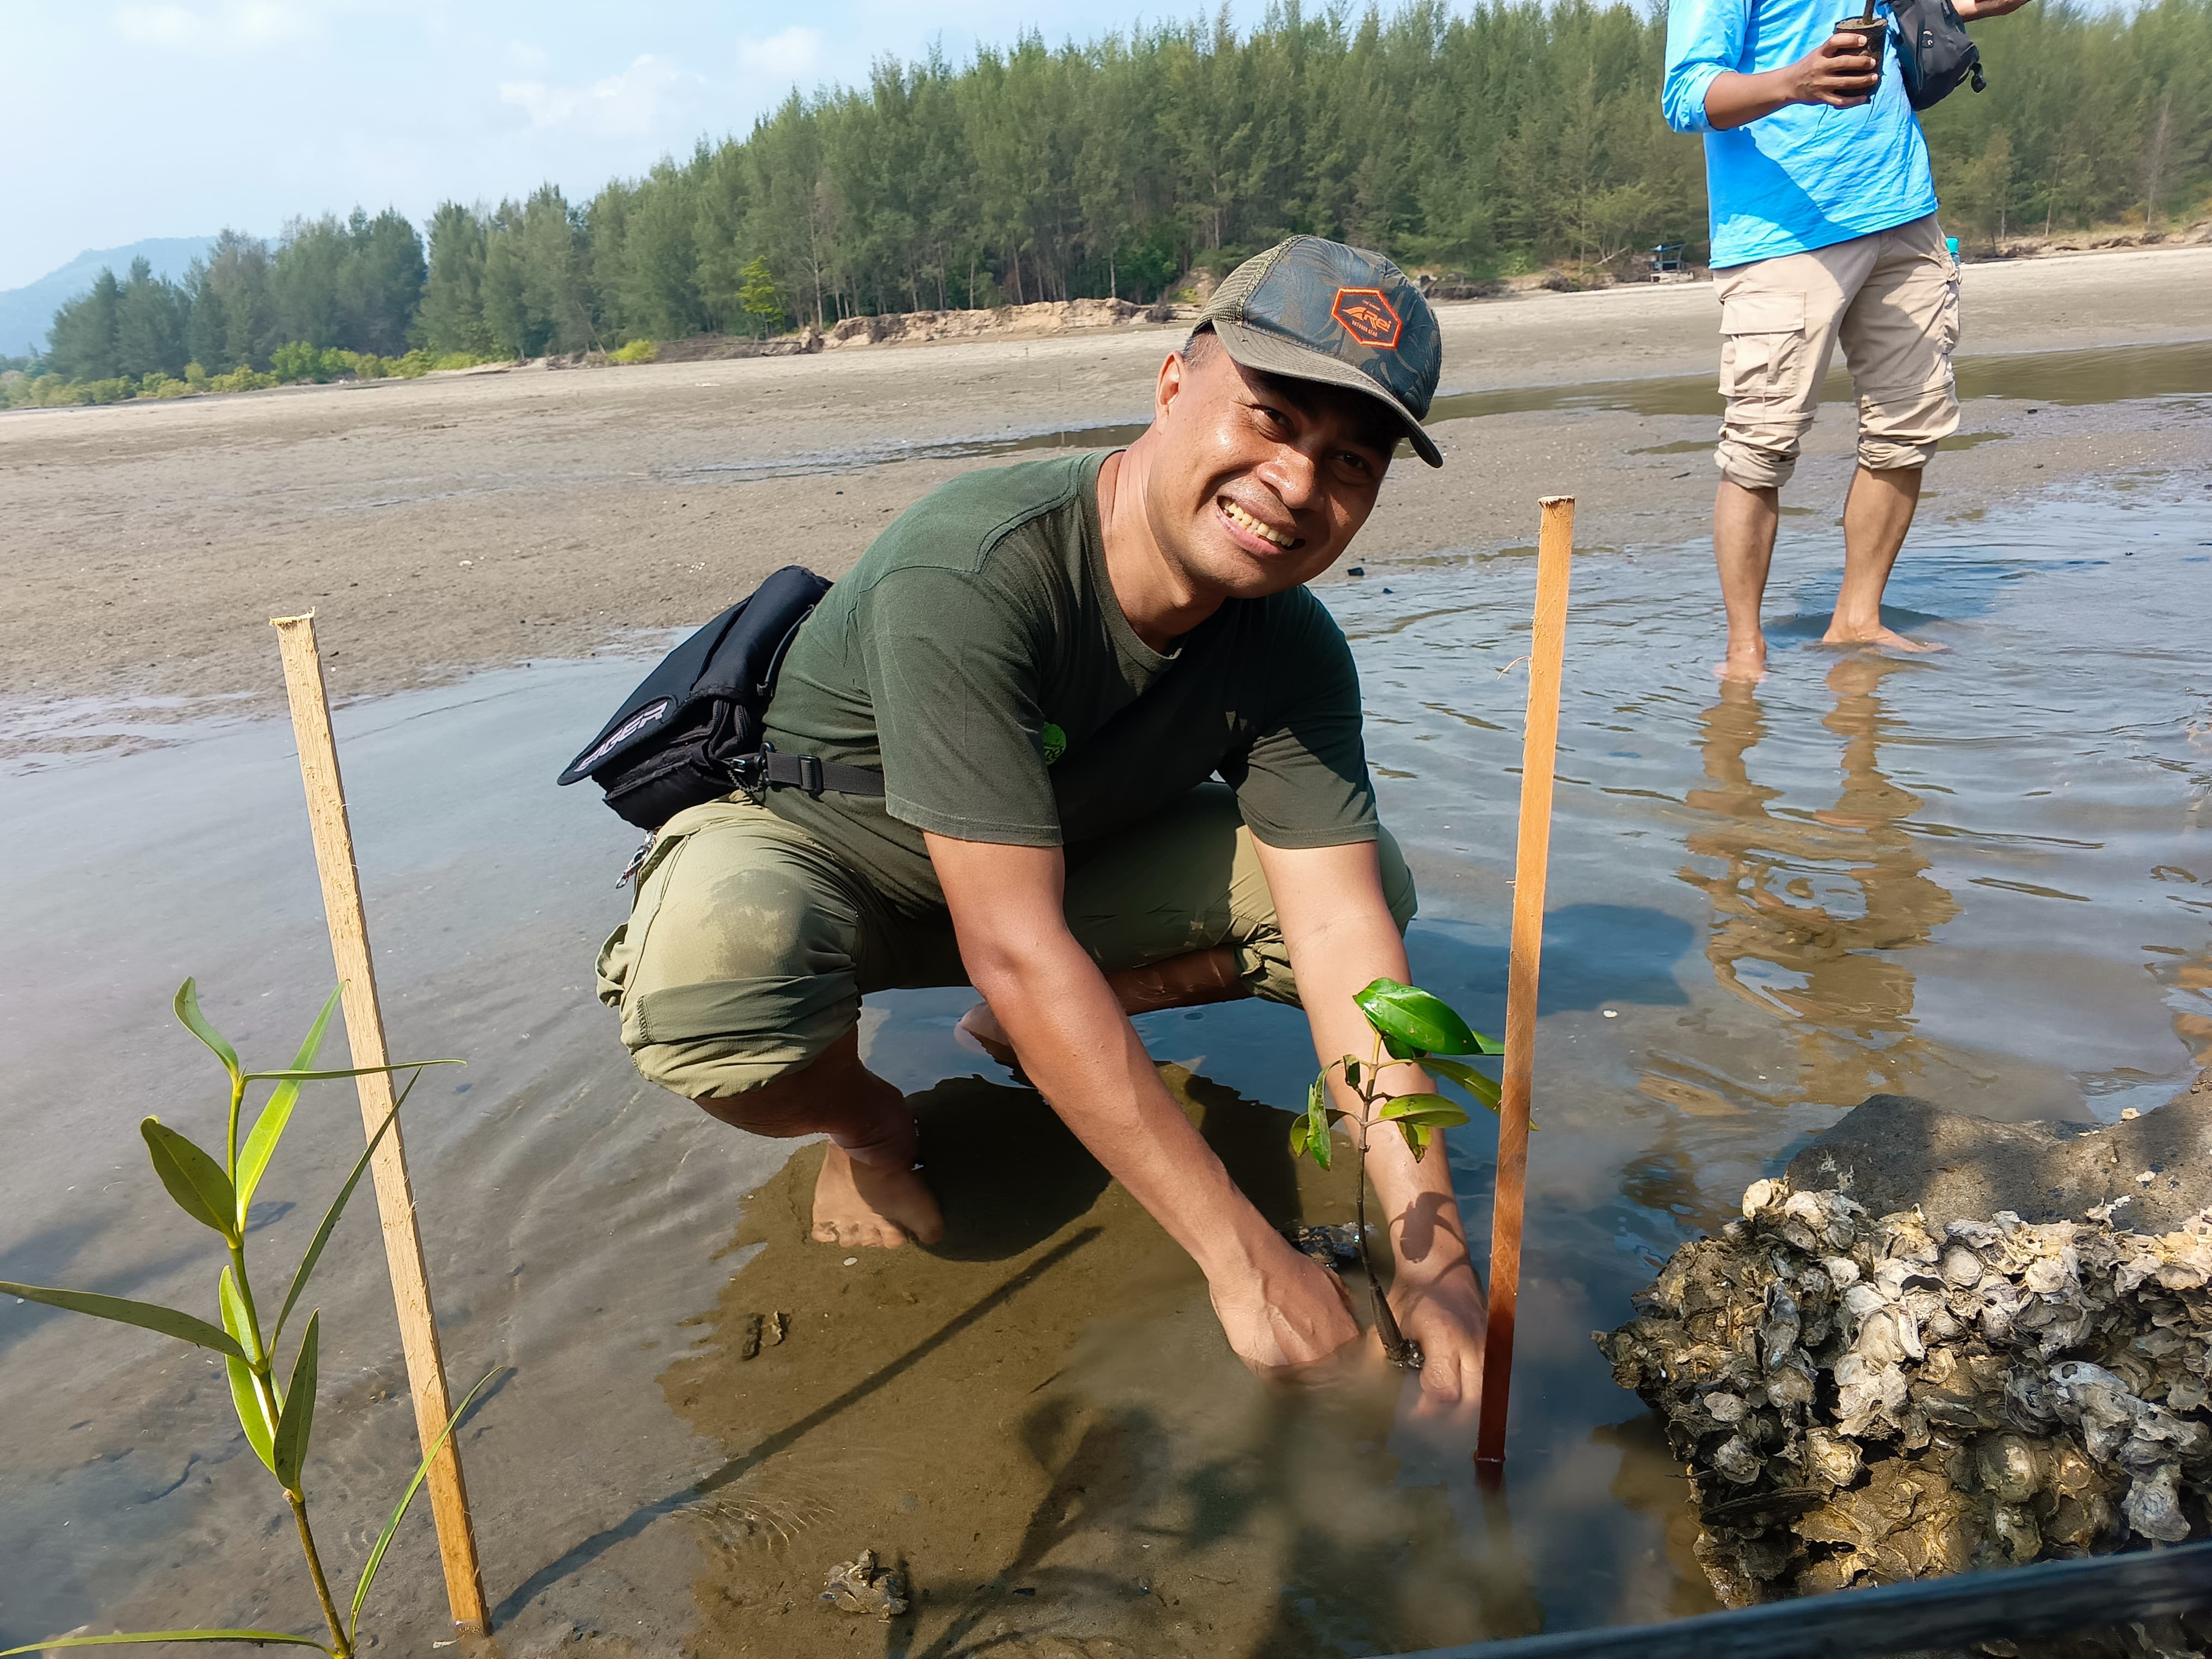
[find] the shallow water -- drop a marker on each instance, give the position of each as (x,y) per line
(2100,374)
(1981,877)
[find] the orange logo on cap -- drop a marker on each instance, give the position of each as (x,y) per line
(1367,317)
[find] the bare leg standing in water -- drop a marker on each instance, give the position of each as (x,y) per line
(1877,514)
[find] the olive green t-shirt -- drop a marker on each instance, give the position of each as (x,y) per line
(976,656)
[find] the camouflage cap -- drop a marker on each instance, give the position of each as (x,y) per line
(1310,309)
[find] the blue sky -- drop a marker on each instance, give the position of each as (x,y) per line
(176,118)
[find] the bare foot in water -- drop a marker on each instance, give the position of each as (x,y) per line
(980,1027)
(1885,639)
(871,1206)
(1746,665)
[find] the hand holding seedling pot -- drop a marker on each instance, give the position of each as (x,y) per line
(1845,69)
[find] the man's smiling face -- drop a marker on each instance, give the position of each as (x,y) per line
(1259,482)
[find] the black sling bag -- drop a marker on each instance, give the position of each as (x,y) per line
(1933,50)
(691,732)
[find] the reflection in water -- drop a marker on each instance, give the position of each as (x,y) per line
(1812,911)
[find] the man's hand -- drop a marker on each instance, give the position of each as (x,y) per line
(1975,11)
(1441,1307)
(1840,72)
(1288,1318)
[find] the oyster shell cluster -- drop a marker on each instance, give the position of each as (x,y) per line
(1864,1400)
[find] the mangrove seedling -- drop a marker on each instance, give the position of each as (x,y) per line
(276,1408)
(1415,1029)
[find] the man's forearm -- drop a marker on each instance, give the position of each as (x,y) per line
(1080,1050)
(1736,100)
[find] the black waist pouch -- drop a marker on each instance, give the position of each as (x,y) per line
(1933,50)
(692,731)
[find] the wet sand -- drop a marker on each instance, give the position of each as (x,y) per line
(438,525)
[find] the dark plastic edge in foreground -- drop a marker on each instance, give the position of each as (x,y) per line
(2044,1599)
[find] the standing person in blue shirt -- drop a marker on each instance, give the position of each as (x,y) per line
(1824,229)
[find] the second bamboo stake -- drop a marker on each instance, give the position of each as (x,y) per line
(395,1196)
(1539,745)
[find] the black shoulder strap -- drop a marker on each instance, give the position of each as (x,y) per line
(812,774)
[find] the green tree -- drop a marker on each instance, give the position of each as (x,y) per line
(758,297)
(452,317)
(81,344)
(232,316)
(150,325)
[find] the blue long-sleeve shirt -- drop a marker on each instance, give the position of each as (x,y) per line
(1810,174)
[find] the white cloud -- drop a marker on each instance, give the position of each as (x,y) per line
(234,25)
(620,104)
(795,54)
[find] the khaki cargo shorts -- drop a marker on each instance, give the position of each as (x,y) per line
(749,946)
(1893,300)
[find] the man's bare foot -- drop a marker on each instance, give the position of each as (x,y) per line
(867,1205)
(1747,663)
(979,1026)
(1884,639)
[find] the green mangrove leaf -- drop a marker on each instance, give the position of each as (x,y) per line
(1426,1111)
(1413,1023)
(253,1636)
(231,1301)
(147,1315)
(269,1127)
(188,1012)
(1351,1072)
(299,1418)
(1318,1120)
(351,1071)
(245,1398)
(195,1181)
(1484,1089)
(331,1216)
(1418,1137)
(1301,1134)
(384,1542)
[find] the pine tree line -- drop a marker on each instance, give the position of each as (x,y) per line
(1490,140)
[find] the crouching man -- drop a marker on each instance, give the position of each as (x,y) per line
(1050,663)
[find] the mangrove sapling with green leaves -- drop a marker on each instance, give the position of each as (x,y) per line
(1415,1029)
(276,1408)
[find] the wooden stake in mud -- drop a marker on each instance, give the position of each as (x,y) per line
(1555,548)
(395,1198)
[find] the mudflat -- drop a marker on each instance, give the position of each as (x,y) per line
(439,525)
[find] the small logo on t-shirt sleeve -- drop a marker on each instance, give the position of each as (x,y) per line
(1054,741)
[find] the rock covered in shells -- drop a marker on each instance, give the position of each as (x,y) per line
(1861,1399)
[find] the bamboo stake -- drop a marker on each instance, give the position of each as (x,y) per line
(395,1198)
(1540,745)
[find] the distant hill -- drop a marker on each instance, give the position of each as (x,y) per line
(26,313)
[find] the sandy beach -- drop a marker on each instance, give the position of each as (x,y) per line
(438,525)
